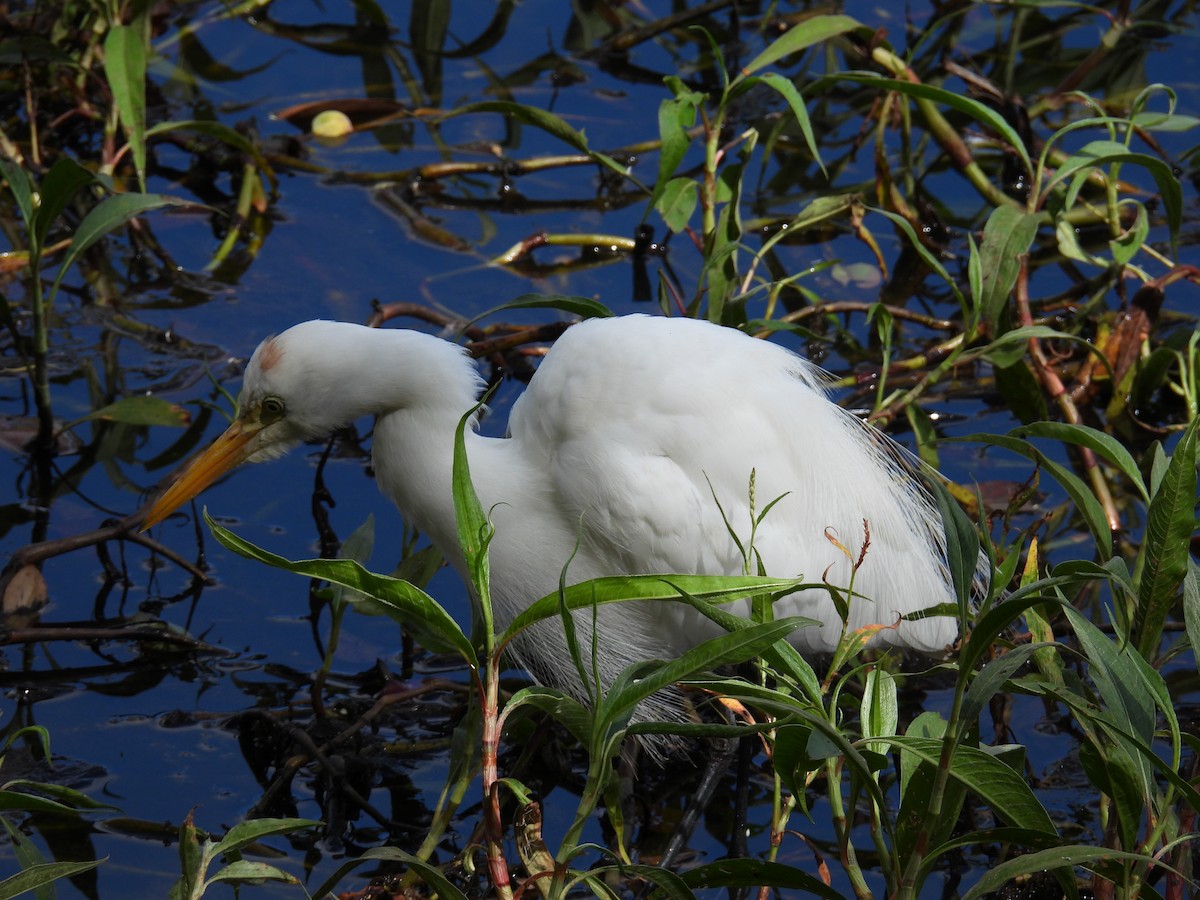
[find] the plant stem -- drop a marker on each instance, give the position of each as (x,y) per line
(493,824)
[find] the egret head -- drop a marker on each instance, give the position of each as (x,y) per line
(288,395)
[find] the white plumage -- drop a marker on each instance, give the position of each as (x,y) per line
(629,434)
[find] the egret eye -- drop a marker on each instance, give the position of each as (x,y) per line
(272,410)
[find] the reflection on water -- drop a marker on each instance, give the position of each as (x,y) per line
(414,208)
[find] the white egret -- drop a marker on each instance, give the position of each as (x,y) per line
(634,440)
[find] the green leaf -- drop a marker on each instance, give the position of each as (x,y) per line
(1000,874)
(619,588)
(565,710)
(879,711)
(474,529)
(34,877)
(429,873)
(125,49)
(1170,524)
(639,681)
(998,785)
(924,252)
(107,216)
(736,873)
(1007,237)
(991,679)
(675,117)
(246,871)
(1158,121)
(142,410)
(962,543)
(918,780)
(677,201)
(1191,606)
(58,189)
(546,121)
(222,132)
(981,113)
(1123,690)
(999,617)
(784,659)
(246,833)
(1009,348)
(20,186)
(795,101)
(1085,501)
(1125,247)
(412,607)
(1097,441)
(585,307)
(801,36)
(1102,153)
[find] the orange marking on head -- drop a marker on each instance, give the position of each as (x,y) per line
(270,355)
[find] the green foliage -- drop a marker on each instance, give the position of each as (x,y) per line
(894,790)
(198,853)
(30,797)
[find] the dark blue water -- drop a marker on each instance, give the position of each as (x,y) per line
(156,734)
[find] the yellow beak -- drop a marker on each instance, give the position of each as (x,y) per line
(226,453)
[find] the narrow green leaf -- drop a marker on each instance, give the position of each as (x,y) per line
(585,307)
(981,113)
(922,251)
(20,186)
(974,274)
(784,659)
(125,49)
(795,101)
(738,873)
(546,121)
(962,542)
(1007,237)
(675,117)
(880,710)
(991,837)
(412,607)
(247,871)
(1157,121)
(222,132)
(474,529)
(1125,247)
(428,25)
(74,800)
(1085,501)
(1104,445)
(1102,153)
(1170,524)
(1123,690)
(246,833)
(142,410)
(801,36)
(999,617)
(565,710)
(1002,788)
(58,188)
(726,649)
(38,876)
(918,780)
(677,201)
(1009,348)
(991,679)
(1191,606)
(429,873)
(1051,859)
(107,216)
(614,589)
